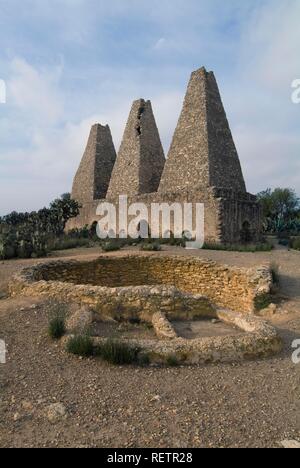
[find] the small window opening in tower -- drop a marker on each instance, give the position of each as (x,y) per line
(140,113)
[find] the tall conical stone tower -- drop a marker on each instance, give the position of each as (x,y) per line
(92,178)
(141,159)
(203,153)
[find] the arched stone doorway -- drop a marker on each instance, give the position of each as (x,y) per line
(246,233)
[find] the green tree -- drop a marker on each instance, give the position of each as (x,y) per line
(280,209)
(27,234)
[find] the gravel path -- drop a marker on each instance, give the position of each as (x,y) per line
(254,404)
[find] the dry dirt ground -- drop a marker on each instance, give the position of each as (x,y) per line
(252,404)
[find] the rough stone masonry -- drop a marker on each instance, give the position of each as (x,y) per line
(202,166)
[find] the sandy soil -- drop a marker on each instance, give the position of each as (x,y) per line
(204,328)
(253,404)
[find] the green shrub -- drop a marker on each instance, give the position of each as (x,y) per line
(25,249)
(151,247)
(7,250)
(117,353)
(144,360)
(81,345)
(284,242)
(172,361)
(262,302)
(57,328)
(66,243)
(174,242)
(134,320)
(295,243)
(111,246)
(265,247)
(26,235)
(283,235)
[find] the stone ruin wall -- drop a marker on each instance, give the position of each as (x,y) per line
(225,213)
(178,286)
(213,231)
(173,290)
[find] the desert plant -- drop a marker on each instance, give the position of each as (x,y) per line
(117,353)
(265,247)
(262,302)
(7,249)
(144,360)
(26,235)
(280,210)
(295,243)
(284,242)
(151,247)
(57,328)
(172,361)
(67,242)
(80,345)
(111,246)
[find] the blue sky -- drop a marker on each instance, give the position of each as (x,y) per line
(70,63)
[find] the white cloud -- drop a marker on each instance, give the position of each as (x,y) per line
(268,159)
(160,43)
(51,107)
(36,92)
(263,118)
(270,51)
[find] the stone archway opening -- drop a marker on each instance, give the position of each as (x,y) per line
(246,235)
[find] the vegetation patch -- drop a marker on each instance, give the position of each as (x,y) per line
(252,248)
(68,242)
(28,235)
(262,302)
(111,246)
(57,321)
(117,353)
(281,212)
(57,328)
(81,345)
(151,247)
(294,243)
(144,360)
(172,360)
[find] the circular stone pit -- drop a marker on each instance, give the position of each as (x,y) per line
(160,291)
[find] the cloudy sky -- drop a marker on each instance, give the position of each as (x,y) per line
(70,63)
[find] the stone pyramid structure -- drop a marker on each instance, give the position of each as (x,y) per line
(202,167)
(92,178)
(141,159)
(202,153)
